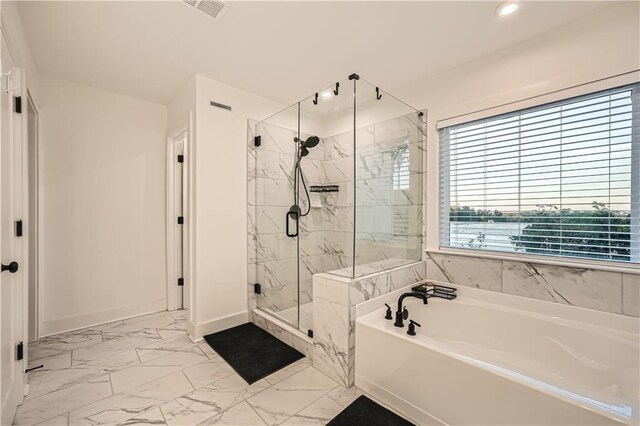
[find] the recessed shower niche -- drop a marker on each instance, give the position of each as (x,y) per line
(335,186)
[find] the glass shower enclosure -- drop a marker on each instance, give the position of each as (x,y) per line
(335,186)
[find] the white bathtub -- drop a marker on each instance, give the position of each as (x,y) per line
(488,358)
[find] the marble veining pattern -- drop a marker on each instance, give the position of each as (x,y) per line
(607,291)
(165,381)
(334,300)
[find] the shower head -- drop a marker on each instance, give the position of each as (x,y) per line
(309,143)
(305,145)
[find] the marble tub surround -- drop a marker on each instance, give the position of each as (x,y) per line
(334,302)
(165,379)
(608,291)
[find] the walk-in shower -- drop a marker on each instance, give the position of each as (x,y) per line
(334,185)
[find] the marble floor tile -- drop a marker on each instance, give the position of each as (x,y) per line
(143,333)
(163,347)
(72,340)
(344,396)
(179,314)
(208,372)
(131,403)
(37,352)
(208,351)
(137,375)
(239,415)
(200,405)
(41,383)
(54,362)
(288,371)
(112,363)
(171,334)
(62,420)
(59,402)
(286,398)
(318,413)
(110,348)
(164,321)
(149,417)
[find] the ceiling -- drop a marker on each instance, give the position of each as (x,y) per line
(281,50)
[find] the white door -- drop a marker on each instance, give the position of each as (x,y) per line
(11,280)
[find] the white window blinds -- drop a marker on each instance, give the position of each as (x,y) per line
(562,179)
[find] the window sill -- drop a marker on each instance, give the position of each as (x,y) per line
(561,261)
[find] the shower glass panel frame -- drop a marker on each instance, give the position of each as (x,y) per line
(350,205)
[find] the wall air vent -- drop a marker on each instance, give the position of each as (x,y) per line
(212,8)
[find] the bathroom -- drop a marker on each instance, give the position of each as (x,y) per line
(329,218)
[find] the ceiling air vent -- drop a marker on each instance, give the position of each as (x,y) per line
(212,8)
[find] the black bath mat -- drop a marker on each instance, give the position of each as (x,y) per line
(364,411)
(251,351)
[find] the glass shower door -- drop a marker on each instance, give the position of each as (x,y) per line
(276,253)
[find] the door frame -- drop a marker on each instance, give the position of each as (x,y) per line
(173,290)
(37,227)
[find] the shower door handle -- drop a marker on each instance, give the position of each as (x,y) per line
(294,215)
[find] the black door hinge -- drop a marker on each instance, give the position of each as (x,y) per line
(19,351)
(180,282)
(180,158)
(257,288)
(180,220)
(310,333)
(17,104)
(257,141)
(18,228)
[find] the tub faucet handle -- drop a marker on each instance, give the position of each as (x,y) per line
(388,314)
(412,328)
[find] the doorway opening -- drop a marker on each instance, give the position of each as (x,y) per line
(177,220)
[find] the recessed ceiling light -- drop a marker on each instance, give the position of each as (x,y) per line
(326,94)
(507,8)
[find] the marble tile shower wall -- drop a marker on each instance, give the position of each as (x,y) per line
(607,291)
(381,206)
(272,256)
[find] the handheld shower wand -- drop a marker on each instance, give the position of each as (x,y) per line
(295,211)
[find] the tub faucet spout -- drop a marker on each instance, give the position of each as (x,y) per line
(400,313)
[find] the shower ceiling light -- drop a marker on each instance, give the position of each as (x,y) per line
(507,8)
(326,94)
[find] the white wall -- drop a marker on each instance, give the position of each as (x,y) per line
(103,160)
(600,46)
(220,266)
(182,107)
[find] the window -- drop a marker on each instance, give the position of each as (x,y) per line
(401,182)
(562,179)
(401,168)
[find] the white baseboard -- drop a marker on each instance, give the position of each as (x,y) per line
(76,322)
(197,331)
(397,403)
